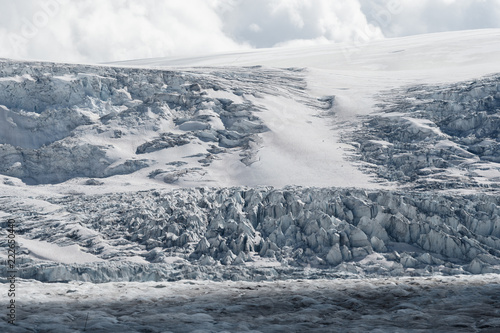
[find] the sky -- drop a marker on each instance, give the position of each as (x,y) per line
(94,31)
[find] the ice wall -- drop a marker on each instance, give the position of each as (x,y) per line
(269,233)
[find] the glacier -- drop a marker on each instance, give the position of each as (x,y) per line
(302,187)
(49,110)
(438,304)
(265,233)
(438,137)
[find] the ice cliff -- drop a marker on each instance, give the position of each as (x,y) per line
(264,233)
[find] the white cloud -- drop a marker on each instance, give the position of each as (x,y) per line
(110,30)
(426,16)
(283,21)
(97,30)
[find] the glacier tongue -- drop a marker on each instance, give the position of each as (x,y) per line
(265,233)
(338,195)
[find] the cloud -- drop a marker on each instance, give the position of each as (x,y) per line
(97,31)
(112,30)
(267,23)
(408,17)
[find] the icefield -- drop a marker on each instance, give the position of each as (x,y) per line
(334,188)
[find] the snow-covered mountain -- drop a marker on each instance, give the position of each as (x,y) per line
(370,160)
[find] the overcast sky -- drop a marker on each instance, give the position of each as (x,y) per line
(112,30)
